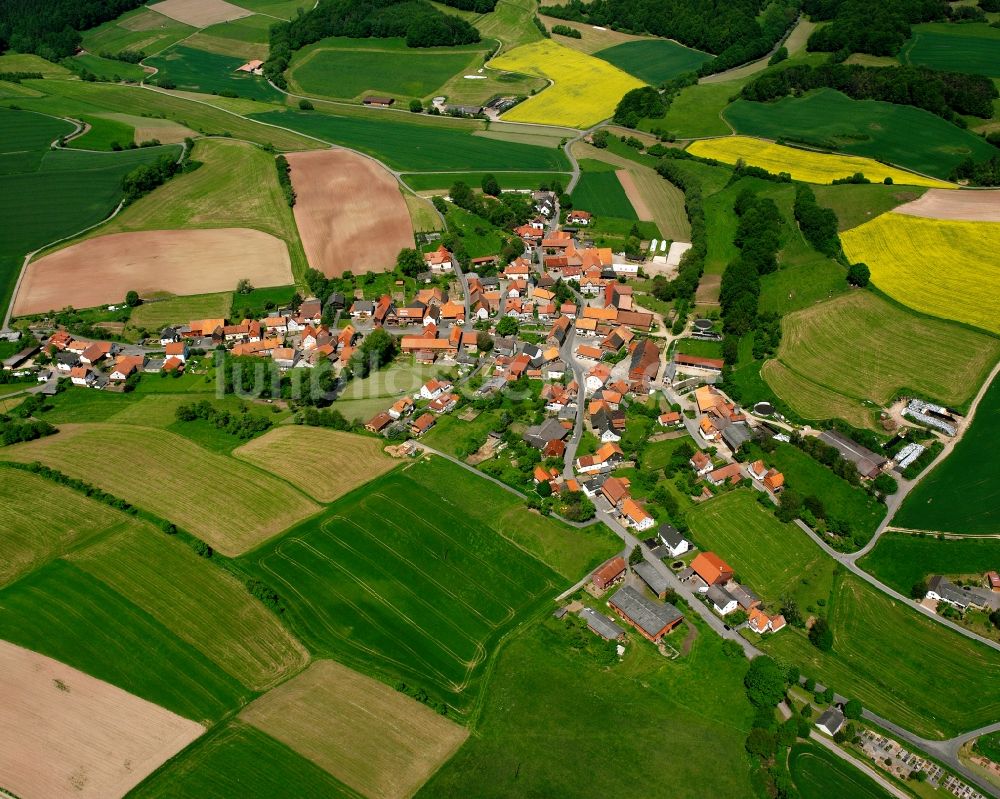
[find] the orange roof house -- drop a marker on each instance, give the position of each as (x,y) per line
(774,481)
(711,568)
(610,573)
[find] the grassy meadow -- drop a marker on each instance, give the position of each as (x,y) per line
(898,134)
(960,496)
(104,134)
(654,60)
(697,111)
(427,181)
(210,73)
(819,774)
(154,316)
(856,204)
(897,249)
(600,192)
(900,560)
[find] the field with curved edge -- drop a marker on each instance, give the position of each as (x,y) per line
(168,475)
(210,73)
(358,458)
(969,47)
(585,91)
(960,495)
(654,60)
(935,266)
(819,774)
(396,580)
(898,134)
(804,165)
(900,559)
(861,347)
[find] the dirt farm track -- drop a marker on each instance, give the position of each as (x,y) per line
(349,211)
(102,270)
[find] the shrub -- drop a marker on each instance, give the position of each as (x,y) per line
(305,105)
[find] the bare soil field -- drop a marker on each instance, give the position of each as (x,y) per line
(376,740)
(349,211)
(66,734)
(358,458)
(969,206)
(634,195)
(708,290)
(102,270)
(200,13)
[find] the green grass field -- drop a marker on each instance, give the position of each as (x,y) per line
(479,236)
(856,204)
(26,139)
(154,316)
(898,663)
(654,60)
(141,29)
(427,181)
(841,500)
(819,774)
(284,9)
(418,147)
(110,68)
(103,134)
(962,494)
(783,560)
(350,68)
(600,192)
(899,560)
(211,73)
(697,111)
(244,38)
(394,580)
(239,760)
(65,613)
(547,712)
(898,134)
(969,47)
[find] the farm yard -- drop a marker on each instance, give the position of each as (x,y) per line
(150,468)
(343,229)
(102,270)
(428,584)
(898,134)
(585,89)
(371,737)
(901,560)
(818,774)
(832,345)
(210,73)
(654,60)
(804,165)
(66,734)
(358,458)
(959,496)
(897,248)
(972,48)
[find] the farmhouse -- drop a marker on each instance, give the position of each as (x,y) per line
(730,472)
(601,625)
(615,490)
(943,590)
(126,366)
(670,419)
(82,376)
(723,602)
(672,539)
(378,423)
(712,569)
(422,424)
(701,463)
(761,623)
(440,260)
(578,218)
(634,515)
(379,102)
(652,619)
(606,456)
(610,573)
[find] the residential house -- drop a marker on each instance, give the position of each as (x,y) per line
(708,431)
(82,376)
(385,312)
(606,456)
(701,463)
(615,490)
(830,721)
(440,260)
(444,403)
(634,515)
(178,350)
(433,389)
(173,364)
(422,424)
(378,423)
(401,407)
(361,309)
(645,362)
(540,435)
(943,590)
(746,598)
(589,353)
(578,217)
(412,314)
(774,481)
(126,366)
(610,573)
(672,539)
(597,377)
(97,351)
(169,335)
(277,325)
(670,419)
(652,619)
(711,568)
(730,472)
(760,622)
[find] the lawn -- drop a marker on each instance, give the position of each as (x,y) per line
(166,580)
(479,236)
(819,774)
(358,458)
(239,760)
(898,134)
(773,559)
(397,581)
(141,29)
(427,181)
(457,437)
(972,48)
(804,165)
(210,73)
(350,68)
(154,316)
(960,495)
(166,474)
(654,60)
(235,187)
(600,192)
(854,205)
(548,708)
(585,91)
(866,348)
(900,560)
(702,349)
(67,614)
(897,248)
(418,147)
(386,386)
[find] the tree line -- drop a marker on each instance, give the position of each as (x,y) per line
(146,177)
(878,28)
(285,179)
(52,28)
(417,21)
(243,425)
(946,94)
(692,262)
(14,431)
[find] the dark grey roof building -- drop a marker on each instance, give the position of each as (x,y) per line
(651,577)
(736,435)
(601,625)
(868,463)
(652,619)
(541,434)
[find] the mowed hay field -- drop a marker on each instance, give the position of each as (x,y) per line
(141,29)
(240,760)
(943,268)
(41,520)
(399,582)
(865,348)
(804,165)
(173,585)
(898,663)
(66,734)
(819,774)
(585,91)
(970,206)
(344,228)
(103,270)
(356,459)
(377,740)
(167,474)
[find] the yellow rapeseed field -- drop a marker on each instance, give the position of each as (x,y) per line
(804,165)
(585,91)
(944,268)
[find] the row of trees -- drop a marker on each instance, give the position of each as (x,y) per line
(946,94)
(877,28)
(818,224)
(14,431)
(692,263)
(985,173)
(146,177)
(285,179)
(417,21)
(52,28)
(243,425)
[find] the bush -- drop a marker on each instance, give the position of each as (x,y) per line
(858,275)
(821,635)
(305,105)
(761,743)
(285,179)
(853,709)
(779,55)
(764,682)
(416,106)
